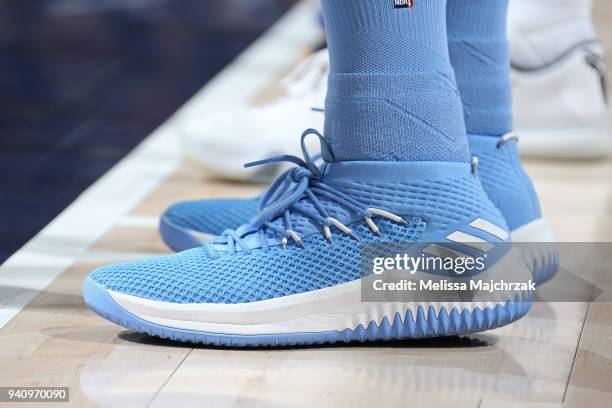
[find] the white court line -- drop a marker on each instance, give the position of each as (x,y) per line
(108,201)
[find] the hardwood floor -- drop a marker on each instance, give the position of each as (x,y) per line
(560,353)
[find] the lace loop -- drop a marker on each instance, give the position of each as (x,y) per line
(506,138)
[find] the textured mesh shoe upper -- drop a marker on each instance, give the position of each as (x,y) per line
(435,199)
(504,180)
(195,277)
(212,216)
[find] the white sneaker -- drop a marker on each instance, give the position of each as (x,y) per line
(560,108)
(222,144)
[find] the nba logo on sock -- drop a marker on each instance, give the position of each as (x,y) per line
(403,3)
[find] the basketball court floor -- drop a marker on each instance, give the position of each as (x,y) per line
(560,354)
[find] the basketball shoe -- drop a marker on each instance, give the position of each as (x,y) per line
(294,274)
(510,189)
(187,225)
(558,80)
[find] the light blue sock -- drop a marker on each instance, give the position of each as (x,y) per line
(479,53)
(392,94)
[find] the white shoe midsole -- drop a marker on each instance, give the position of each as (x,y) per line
(535,231)
(330,309)
(540,249)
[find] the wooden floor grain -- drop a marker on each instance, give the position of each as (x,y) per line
(590,383)
(561,353)
(57,341)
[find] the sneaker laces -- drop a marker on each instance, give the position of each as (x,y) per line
(282,184)
(301,184)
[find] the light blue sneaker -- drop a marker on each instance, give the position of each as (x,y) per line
(511,190)
(293,274)
(187,225)
(190,224)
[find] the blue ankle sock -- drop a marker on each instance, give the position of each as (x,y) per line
(392,94)
(479,53)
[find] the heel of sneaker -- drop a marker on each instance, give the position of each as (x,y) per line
(541,251)
(505,181)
